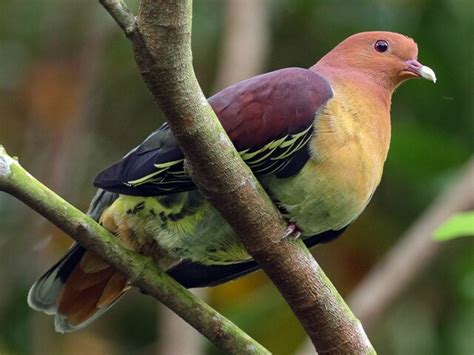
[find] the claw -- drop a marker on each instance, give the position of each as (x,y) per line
(292,232)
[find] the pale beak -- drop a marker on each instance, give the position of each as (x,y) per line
(420,70)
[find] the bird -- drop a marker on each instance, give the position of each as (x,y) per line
(316,139)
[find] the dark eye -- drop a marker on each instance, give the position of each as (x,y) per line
(381,46)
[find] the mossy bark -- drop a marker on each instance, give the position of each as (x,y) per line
(141,271)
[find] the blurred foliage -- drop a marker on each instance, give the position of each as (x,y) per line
(460,225)
(72,102)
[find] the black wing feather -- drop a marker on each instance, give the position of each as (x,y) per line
(192,275)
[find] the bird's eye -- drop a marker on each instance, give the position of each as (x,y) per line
(381,46)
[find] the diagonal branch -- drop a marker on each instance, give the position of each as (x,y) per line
(139,270)
(411,255)
(244,50)
(120,13)
(161,42)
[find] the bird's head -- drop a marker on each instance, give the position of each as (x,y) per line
(388,58)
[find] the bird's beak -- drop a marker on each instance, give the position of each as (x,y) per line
(415,67)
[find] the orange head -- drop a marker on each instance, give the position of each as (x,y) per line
(388,58)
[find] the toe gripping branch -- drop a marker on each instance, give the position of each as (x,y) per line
(291,232)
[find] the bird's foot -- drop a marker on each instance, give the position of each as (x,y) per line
(291,232)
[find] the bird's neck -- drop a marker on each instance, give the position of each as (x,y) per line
(368,100)
(347,78)
(352,133)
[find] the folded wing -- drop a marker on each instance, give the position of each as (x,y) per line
(269,118)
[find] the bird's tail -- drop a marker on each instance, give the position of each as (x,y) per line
(80,287)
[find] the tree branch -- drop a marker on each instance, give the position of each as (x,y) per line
(138,269)
(412,253)
(243,53)
(120,13)
(161,41)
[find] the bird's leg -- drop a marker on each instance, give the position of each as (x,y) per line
(291,232)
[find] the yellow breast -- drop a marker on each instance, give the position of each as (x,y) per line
(352,137)
(348,150)
(351,143)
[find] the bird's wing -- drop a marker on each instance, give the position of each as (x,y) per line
(269,118)
(190,274)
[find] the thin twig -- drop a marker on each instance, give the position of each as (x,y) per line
(121,14)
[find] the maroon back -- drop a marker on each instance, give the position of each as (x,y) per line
(258,110)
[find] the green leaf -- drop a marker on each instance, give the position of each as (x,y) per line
(460,225)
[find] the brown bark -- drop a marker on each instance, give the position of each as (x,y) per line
(243,55)
(415,250)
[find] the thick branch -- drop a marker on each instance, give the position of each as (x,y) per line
(412,253)
(162,46)
(139,270)
(244,49)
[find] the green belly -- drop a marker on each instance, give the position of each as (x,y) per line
(315,202)
(184,224)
